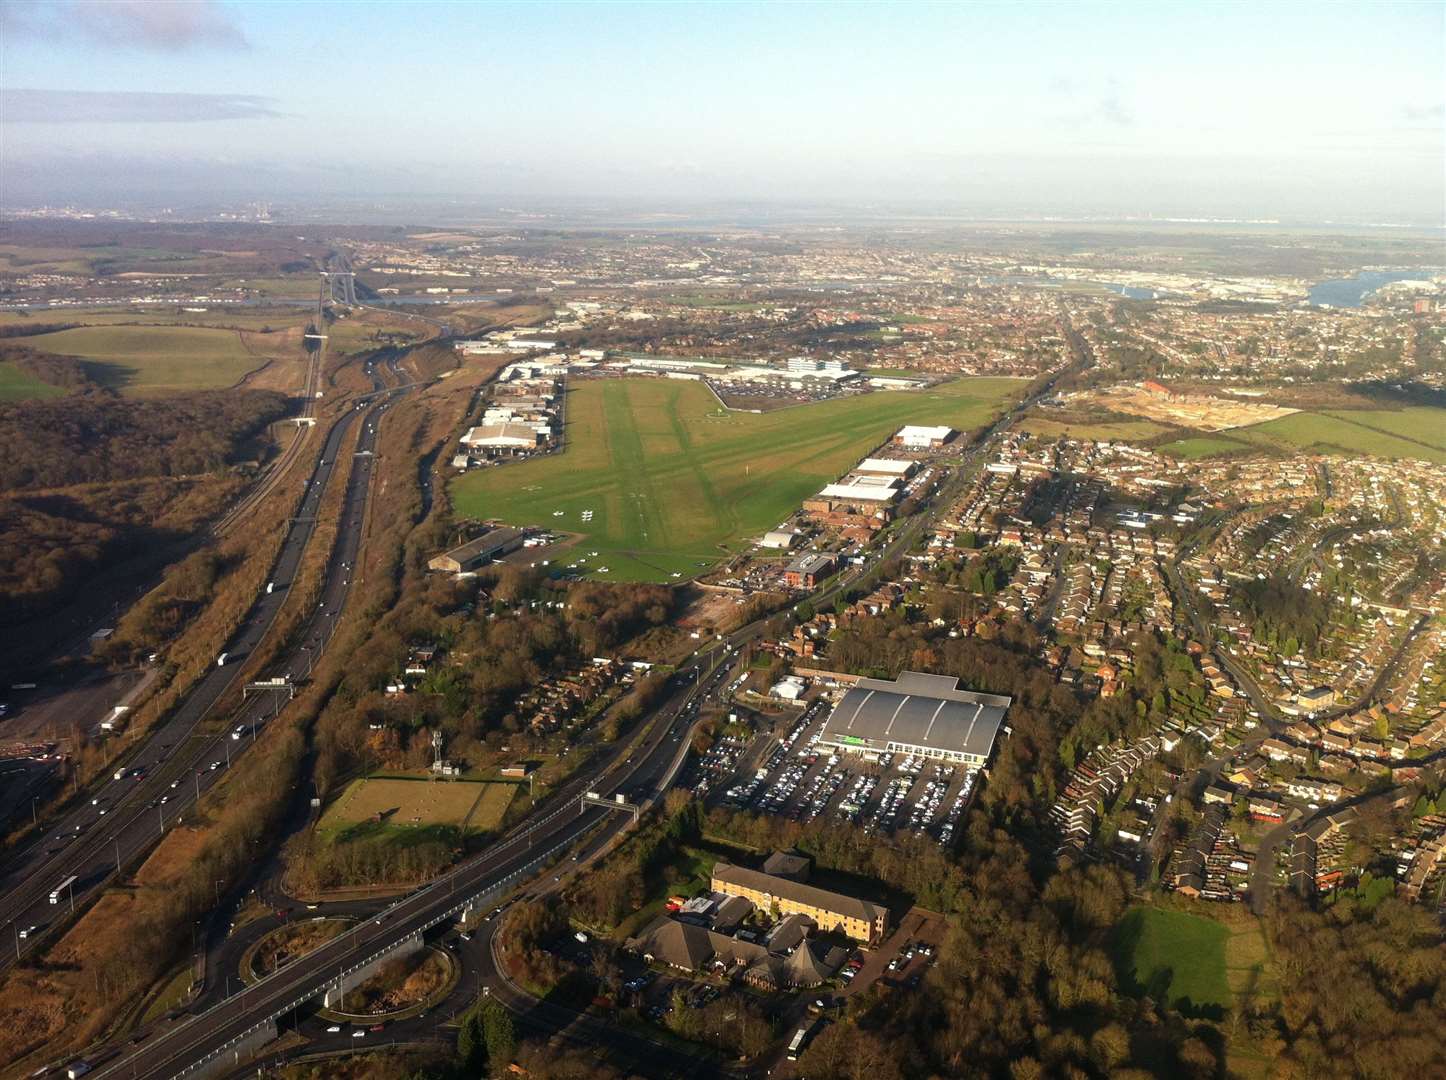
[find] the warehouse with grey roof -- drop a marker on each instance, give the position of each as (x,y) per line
(926,715)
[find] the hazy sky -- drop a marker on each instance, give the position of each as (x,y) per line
(1302,111)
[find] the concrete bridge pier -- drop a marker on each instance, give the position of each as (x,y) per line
(229,1058)
(337,990)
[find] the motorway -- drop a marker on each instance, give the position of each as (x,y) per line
(641,776)
(177,762)
(644,771)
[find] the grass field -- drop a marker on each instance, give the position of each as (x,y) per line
(1101,430)
(1418,432)
(1176,957)
(1201,446)
(1407,433)
(248,318)
(146,360)
(17,385)
(674,482)
(415,804)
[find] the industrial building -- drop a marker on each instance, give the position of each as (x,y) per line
(504,436)
(899,468)
(808,569)
(796,371)
(919,714)
(475,553)
(856,499)
(916,437)
(779,539)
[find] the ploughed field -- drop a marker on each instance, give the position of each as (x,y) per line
(660,480)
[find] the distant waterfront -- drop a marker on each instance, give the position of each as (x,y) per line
(1352,292)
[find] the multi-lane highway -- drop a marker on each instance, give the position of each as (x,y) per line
(639,771)
(183,757)
(640,774)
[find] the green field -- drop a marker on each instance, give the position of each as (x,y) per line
(674,482)
(1418,432)
(1405,433)
(420,805)
(147,360)
(1098,430)
(17,385)
(1200,446)
(1173,957)
(1417,423)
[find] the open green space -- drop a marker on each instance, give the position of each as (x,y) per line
(673,482)
(1418,432)
(18,385)
(1098,430)
(424,807)
(147,360)
(1404,433)
(714,302)
(1416,423)
(1173,957)
(225,317)
(897,373)
(1201,446)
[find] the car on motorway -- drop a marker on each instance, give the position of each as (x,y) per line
(359,1033)
(215,765)
(29,931)
(333,1029)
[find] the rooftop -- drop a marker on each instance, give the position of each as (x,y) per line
(919,710)
(725,874)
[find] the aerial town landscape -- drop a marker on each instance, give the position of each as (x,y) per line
(486,638)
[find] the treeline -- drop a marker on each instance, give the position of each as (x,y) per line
(16,330)
(52,544)
(375,860)
(90,438)
(67,372)
(616,887)
(494,654)
(1363,993)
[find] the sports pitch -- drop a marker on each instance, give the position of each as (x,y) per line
(672,482)
(462,804)
(1173,956)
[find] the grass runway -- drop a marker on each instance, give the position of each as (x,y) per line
(671,484)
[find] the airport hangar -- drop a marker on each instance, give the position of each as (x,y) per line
(924,715)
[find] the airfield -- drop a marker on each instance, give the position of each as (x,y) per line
(660,481)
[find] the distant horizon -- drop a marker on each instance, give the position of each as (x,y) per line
(1290,112)
(483,212)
